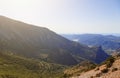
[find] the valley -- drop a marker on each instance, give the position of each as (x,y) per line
(41,53)
(59,39)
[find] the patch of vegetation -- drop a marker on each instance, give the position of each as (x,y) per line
(8,76)
(105,70)
(78,69)
(12,66)
(109,62)
(97,69)
(67,75)
(98,74)
(114,69)
(91,77)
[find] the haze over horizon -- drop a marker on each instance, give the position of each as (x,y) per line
(66,16)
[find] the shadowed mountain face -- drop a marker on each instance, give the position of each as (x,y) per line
(41,43)
(100,55)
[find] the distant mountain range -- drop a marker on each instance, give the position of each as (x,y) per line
(41,43)
(108,42)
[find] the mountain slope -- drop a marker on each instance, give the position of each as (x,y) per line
(12,66)
(109,69)
(79,68)
(41,43)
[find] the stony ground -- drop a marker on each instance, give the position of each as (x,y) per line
(96,73)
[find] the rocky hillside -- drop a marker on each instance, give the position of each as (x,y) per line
(79,68)
(41,43)
(108,69)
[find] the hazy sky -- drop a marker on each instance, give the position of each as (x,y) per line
(66,16)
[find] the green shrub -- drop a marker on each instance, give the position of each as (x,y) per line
(66,76)
(78,74)
(8,76)
(104,70)
(109,61)
(91,77)
(114,69)
(97,69)
(98,74)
